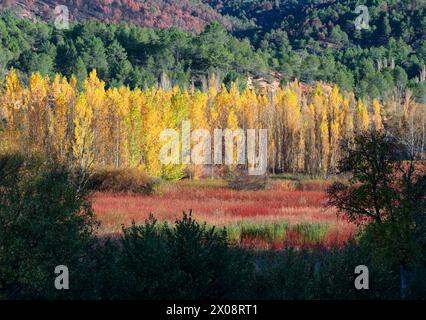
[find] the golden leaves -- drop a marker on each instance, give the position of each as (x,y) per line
(121,127)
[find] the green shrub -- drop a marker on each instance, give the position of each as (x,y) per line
(286,274)
(45,221)
(311,232)
(267,231)
(321,274)
(186,261)
(336,276)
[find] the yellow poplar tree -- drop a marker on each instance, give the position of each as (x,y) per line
(335,122)
(134,128)
(39,113)
(12,108)
(83,133)
(94,91)
(377,116)
(292,134)
(362,116)
(63,96)
(152,124)
(311,158)
(198,118)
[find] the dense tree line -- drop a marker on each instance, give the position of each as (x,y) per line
(121,127)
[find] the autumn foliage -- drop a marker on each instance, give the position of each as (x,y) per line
(189,15)
(120,127)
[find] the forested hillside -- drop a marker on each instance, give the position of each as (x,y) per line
(317,39)
(184,14)
(305,40)
(126,54)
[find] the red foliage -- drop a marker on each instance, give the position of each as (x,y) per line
(185,14)
(219,205)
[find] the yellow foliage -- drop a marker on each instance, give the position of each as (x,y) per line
(362,116)
(83,133)
(121,126)
(377,117)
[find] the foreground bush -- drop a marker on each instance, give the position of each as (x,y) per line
(184,261)
(323,274)
(45,221)
(192,261)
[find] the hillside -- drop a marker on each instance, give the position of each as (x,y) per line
(311,40)
(184,14)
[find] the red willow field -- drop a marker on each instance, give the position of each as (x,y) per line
(283,215)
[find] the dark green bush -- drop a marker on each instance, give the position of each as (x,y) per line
(192,261)
(186,261)
(336,276)
(45,221)
(287,274)
(321,274)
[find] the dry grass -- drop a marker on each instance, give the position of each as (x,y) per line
(213,202)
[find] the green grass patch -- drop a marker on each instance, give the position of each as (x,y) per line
(262,231)
(311,232)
